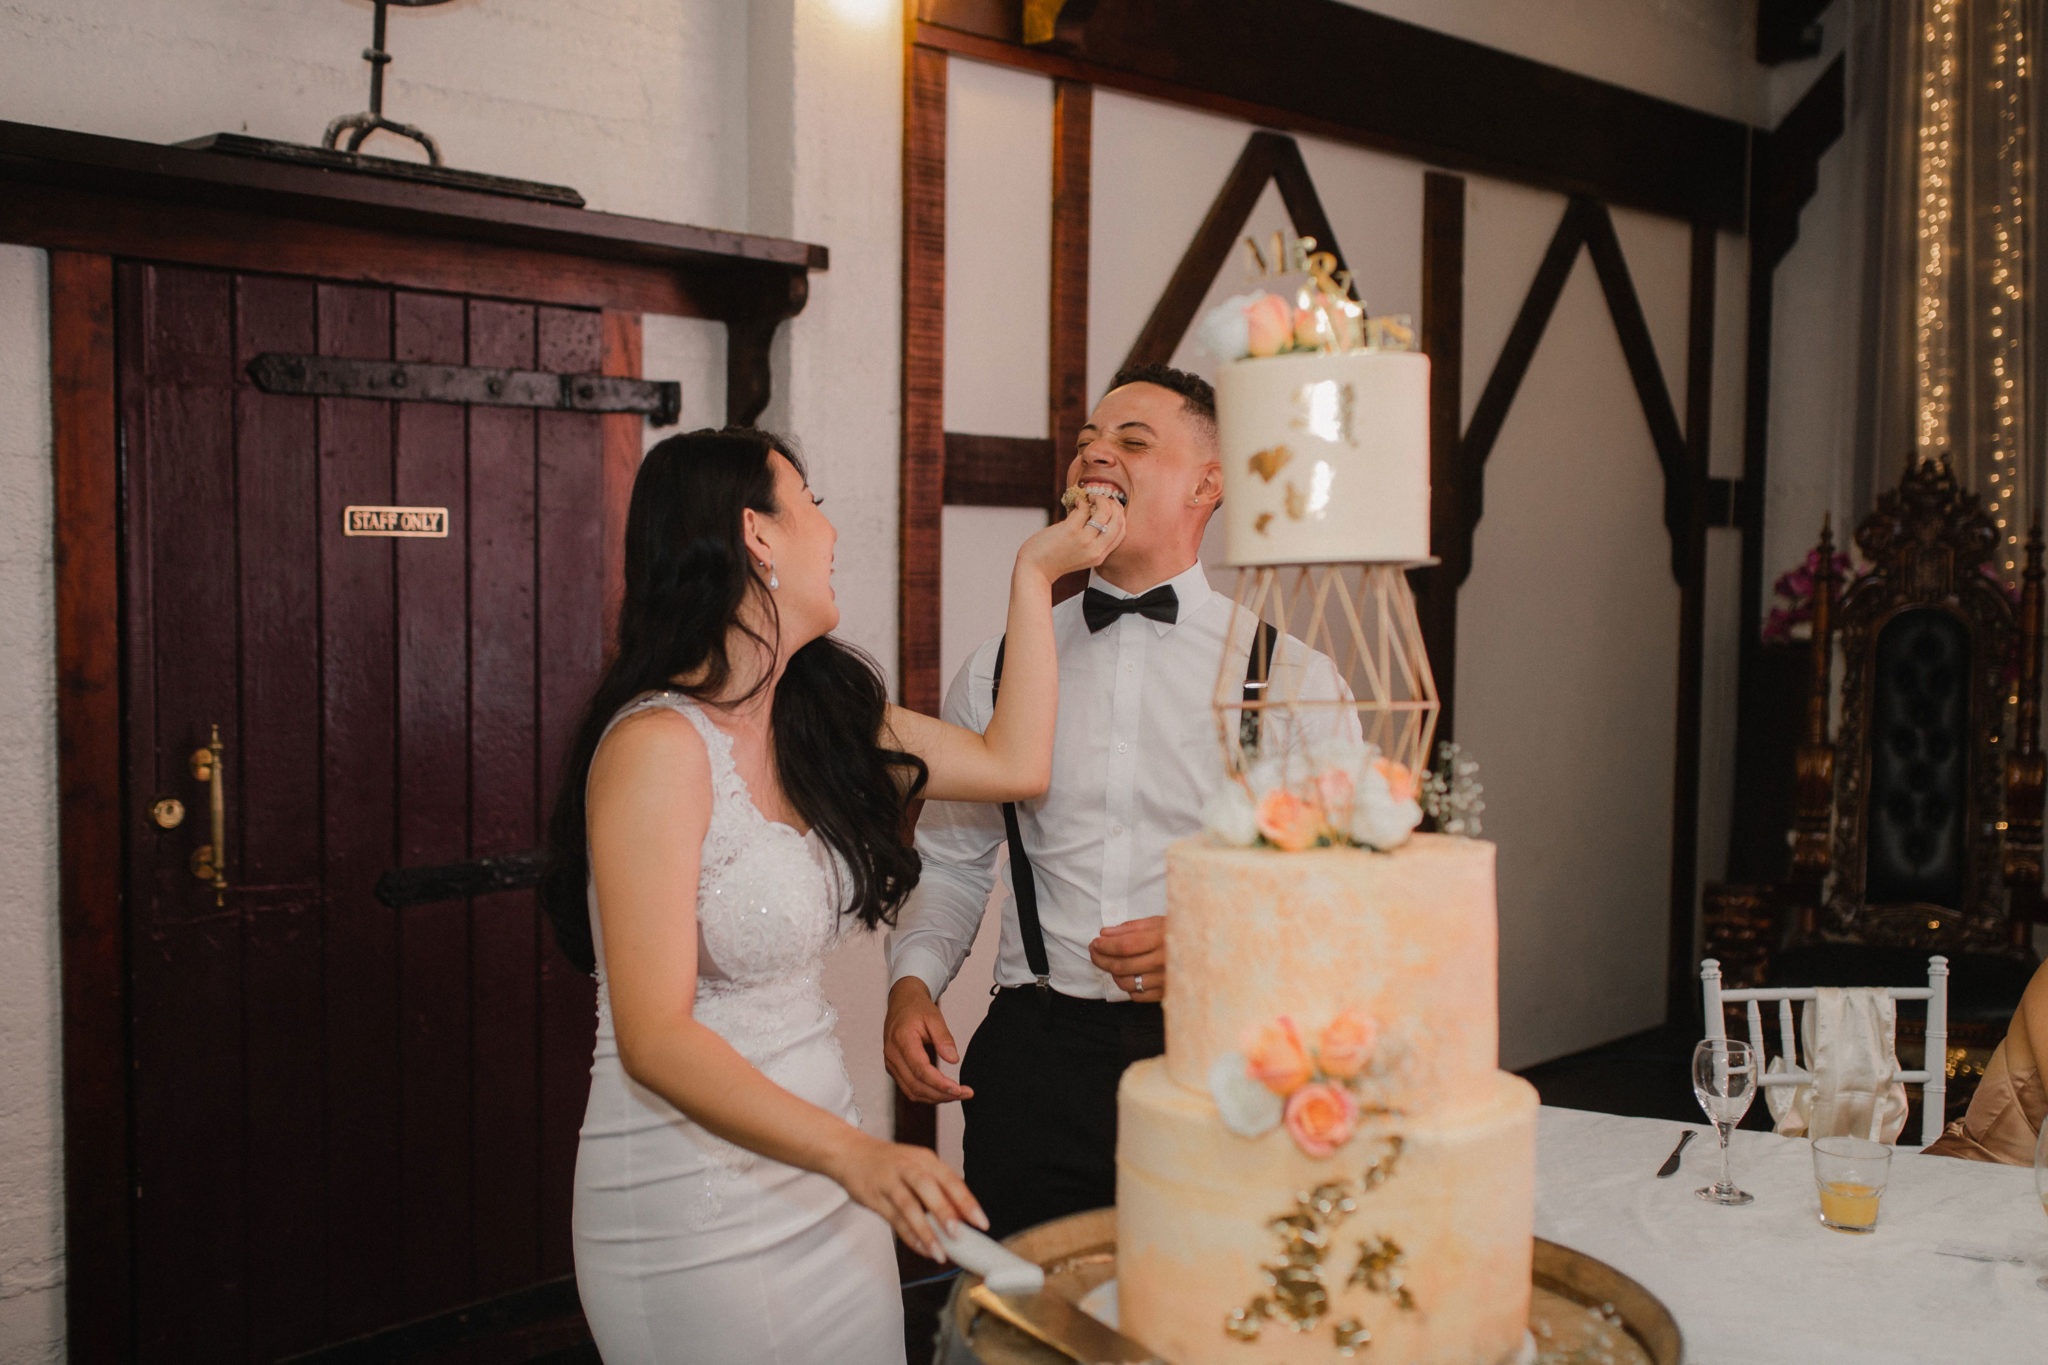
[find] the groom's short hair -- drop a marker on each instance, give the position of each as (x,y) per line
(1198,398)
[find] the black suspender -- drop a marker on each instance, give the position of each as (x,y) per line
(1258,668)
(1022,884)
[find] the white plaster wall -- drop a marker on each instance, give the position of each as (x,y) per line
(639,104)
(31,1152)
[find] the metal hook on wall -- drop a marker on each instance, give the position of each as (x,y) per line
(374,121)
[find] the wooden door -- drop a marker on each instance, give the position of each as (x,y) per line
(345,1116)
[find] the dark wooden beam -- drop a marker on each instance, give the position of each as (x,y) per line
(997,471)
(1680,995)
(1333,70)
(1443,340)
(923,489)
(924,372)
(1266,157)
(97,1162)
(1073,126)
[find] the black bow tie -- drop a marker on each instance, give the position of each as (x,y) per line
(1098,608)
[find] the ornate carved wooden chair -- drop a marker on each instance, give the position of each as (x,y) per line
(1918,821)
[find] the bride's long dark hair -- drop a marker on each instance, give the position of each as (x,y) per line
(687,574)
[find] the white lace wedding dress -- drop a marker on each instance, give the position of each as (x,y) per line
(689,1248)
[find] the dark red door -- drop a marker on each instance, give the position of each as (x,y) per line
(345,1116)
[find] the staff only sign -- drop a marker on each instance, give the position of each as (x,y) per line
(395,521)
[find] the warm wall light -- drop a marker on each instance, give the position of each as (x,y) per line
(865,11)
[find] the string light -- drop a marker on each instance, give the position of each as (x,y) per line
(2005,265)
(1975,415)
(1934,355)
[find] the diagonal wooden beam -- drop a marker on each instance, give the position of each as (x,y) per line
(1266,157)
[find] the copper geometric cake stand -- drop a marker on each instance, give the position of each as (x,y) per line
(1574,1297)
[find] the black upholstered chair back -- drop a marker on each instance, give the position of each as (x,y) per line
(1919,783)
(1916,841)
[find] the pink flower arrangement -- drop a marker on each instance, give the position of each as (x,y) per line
(1315,1092)
(1795,587)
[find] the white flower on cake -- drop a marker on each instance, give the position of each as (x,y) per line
(1383,814)
(1231,817)
(1248,1108)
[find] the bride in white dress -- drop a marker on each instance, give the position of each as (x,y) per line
(732,803)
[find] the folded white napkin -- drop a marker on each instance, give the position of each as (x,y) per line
(1848,1035)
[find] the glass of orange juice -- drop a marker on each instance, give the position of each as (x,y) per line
(1851,1174)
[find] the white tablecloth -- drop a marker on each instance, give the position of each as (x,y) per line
(1765,1282)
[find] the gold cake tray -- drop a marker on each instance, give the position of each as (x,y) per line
(1579,1309)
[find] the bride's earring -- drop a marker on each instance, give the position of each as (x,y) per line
(769,565)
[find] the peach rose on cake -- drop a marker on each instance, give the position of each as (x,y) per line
(1321,1117)
(1269,325)
(1287,821)
(1275,1058)
(1400,778)
(1346,1044)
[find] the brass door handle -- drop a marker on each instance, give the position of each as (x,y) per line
(210,861)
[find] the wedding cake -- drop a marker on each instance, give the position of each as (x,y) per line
(1327,1159)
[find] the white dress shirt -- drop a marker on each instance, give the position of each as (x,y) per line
(1135,755)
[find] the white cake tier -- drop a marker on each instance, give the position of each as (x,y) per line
(1325,458)
(1406,939)
(1196,1206)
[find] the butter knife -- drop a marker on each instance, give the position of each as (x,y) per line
(1060,1325)
(1670,1166)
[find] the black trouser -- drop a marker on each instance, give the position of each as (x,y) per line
(1040,1141)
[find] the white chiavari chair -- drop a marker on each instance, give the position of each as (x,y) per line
(1932,1077)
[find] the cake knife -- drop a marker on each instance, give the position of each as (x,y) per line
(1013,1289)
(1062,1326)
(1670,1166)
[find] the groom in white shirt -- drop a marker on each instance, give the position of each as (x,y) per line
(1135,755)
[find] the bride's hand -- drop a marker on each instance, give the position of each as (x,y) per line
(901,1182)
(1080,540)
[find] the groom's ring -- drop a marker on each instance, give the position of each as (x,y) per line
(1100,529)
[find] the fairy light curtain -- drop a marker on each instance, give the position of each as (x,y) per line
(1950,362)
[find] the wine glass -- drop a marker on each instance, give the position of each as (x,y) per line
(1724,1078)
(2041,1180)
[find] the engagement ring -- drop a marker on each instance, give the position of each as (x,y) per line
(1100,529)
(1140,990)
